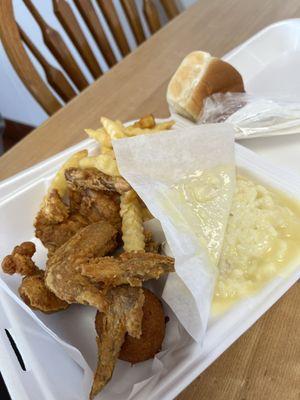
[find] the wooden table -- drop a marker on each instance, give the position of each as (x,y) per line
(265,362)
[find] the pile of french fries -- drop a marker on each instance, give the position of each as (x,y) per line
(132,209)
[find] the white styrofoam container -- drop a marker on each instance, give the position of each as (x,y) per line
(50,373)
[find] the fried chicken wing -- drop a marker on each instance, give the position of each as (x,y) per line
(53,209)
(129,268)
(96,206)
(19,261)
(63,270)
(32,289)
(94,196)
(123,315)
(56,222)
(92,178)
(55,235)
(37,296)
(75,199)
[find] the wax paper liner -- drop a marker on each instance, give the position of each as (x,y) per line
(79,344)
(177,345)
(154,165)
(127,381)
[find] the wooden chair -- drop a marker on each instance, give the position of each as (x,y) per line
(13,37)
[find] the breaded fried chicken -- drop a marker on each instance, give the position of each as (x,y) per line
(19,261)
(123,315)
(56,222)
(32,289)
(63,270)
(97,206)
(117,338)
(38,297)
(129,268)
(92,178)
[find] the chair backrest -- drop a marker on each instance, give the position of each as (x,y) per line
(70,80)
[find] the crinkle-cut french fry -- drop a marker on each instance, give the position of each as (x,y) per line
(59,182)
(88,162)
(132,222)
(101,136)
(107,150)
(108,165)
(163,126)
(147,121)
(104,162)
(115,129)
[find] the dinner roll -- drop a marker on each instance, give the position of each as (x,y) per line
(197,77)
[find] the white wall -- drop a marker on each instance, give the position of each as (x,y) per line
(16,102)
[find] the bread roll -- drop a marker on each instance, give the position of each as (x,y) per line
(199,76)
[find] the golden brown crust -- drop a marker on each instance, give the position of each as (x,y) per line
(54,235)
(37,296)
(56,222)
(54,225)
(19,261)
(32,290)
(92,178)
(136,350)
(63,272)
(129,268)
(153,332)
(100,205)
(199,76)
(124,314)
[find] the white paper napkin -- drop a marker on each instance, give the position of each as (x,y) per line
(186,178)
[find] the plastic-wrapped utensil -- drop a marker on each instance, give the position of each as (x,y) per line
(252,116)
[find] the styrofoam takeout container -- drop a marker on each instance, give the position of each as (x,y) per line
(50,372)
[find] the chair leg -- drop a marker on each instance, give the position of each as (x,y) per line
(2,127)
(11,133)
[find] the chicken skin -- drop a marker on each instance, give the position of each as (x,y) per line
(63,270)
(32,289)
(129,268)
(92,178)
(80,226)
(124,314)
(88,202)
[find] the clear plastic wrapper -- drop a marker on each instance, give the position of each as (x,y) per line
(252,116)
